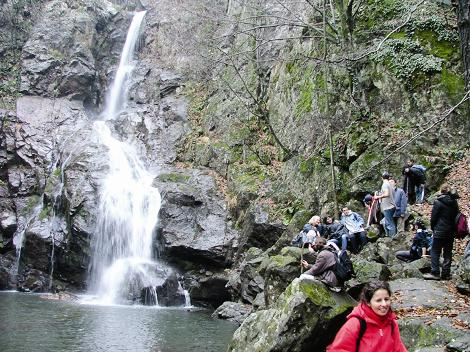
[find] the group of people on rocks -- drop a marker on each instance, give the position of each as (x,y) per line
(372,325)
(347,233)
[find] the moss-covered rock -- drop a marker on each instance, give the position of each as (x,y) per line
(307,314)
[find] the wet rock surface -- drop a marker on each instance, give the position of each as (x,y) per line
(232,311)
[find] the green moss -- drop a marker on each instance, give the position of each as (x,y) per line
(281,261)
(317,293)
(30,204)
(304,103)
(57,172)
(441,48)
(51,182)
(246,177)
(308,166)
(45,212)
(56,54)
(378,11)
(173,177)
(398,35)
(453,83)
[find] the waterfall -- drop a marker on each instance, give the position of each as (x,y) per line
(117,95)
(122,263)
(57,206)
(18,239)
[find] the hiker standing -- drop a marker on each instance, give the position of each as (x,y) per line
(387,205)
(401,203)
(355,225)
(444,212)
(413,183)
(374,214)
(323,268)
(372,325)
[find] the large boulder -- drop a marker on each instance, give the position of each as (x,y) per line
(194,222)
(464,284)
(280,269)
(431,329)
(258,230)
(207,288)
(307,314)
(232,311)
(246,281)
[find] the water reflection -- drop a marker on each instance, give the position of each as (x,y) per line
(30,323)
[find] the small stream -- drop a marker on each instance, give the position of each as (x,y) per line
(30,323)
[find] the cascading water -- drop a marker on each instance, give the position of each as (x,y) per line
(122,263)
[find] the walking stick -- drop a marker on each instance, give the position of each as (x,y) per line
(301,259)
(371,208)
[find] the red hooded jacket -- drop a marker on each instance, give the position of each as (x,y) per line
(378,336)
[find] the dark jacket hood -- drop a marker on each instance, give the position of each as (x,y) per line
(447,199)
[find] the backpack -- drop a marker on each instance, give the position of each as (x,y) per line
(419,171)
(303,238)
(461,226)
(299,240)
(343,267)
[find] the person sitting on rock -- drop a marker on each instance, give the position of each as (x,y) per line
(336,232)
(355,225)
(421,245)
(309,233)
(322,270)
(372,325)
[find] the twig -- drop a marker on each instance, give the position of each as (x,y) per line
(439,120)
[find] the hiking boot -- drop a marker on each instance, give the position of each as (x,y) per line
(431,276)
(446,277)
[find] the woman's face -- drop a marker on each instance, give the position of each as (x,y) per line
(380,302)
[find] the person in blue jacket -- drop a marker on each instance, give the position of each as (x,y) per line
(354,223)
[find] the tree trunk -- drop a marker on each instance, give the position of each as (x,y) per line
(463,17)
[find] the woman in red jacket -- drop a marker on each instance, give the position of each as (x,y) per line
(371,326)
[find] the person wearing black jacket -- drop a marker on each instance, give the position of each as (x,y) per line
(444,212)
(413,181)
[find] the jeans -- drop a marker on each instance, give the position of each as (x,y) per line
(344,242)
(441,245)
(419,190)
(400,224)
(390,228)
(406,256)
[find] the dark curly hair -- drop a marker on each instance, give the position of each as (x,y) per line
(371,287)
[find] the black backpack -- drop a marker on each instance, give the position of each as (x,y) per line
(419,174)
(343,268)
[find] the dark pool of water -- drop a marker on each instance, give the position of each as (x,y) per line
(30,323)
